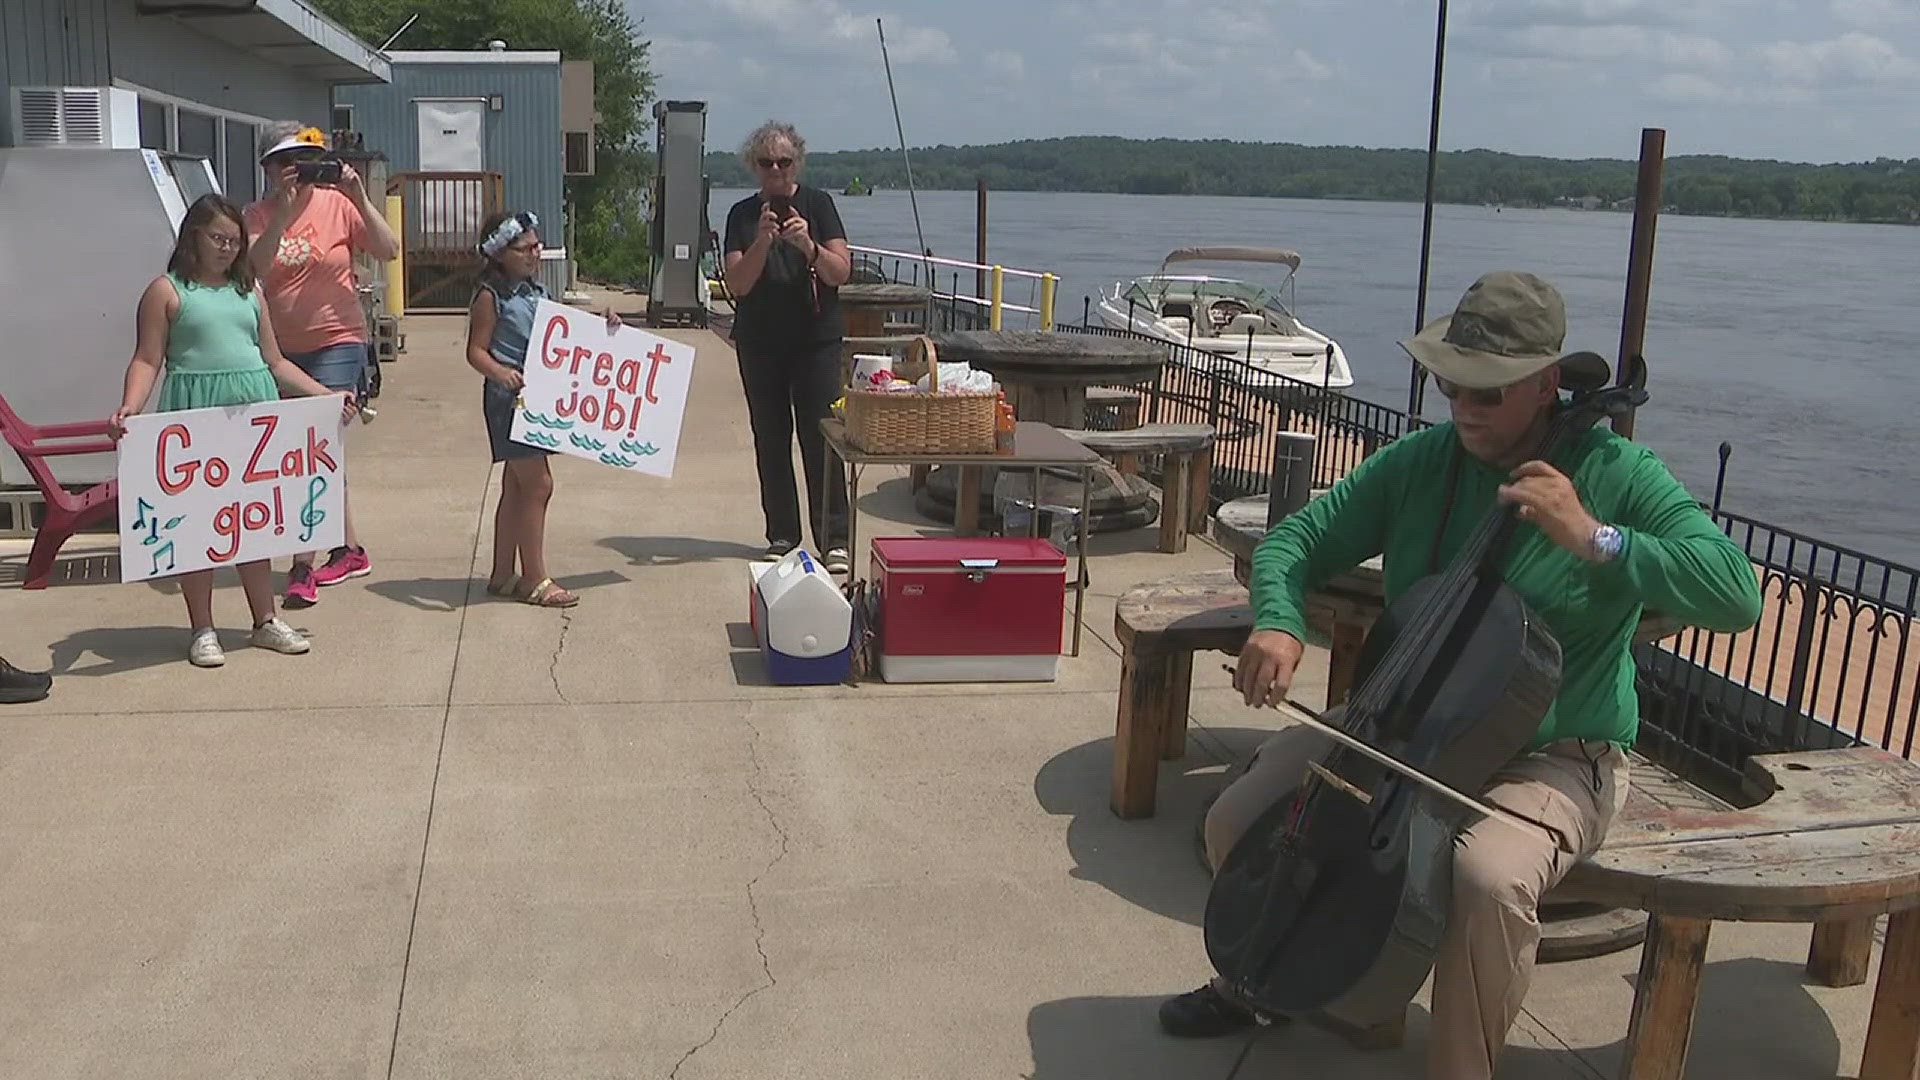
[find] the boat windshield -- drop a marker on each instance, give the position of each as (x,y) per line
(1178,295)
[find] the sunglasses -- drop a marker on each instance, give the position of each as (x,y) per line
(1485,397)
(776,163)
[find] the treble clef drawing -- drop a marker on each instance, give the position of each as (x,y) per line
(311,515)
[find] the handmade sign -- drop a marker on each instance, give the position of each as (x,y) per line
(207,488)
(616,398)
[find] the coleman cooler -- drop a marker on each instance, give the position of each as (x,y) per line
(971,609)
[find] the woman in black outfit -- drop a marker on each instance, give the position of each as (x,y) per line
(786,256)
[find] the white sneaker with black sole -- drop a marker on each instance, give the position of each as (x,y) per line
(776,551)
(837,561)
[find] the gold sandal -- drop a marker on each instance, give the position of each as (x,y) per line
(548,594)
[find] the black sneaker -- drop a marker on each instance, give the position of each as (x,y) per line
(19,687)
(777,550)
(1203,1014)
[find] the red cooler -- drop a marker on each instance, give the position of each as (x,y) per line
(972,609)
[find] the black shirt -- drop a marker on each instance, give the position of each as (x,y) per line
(781,309)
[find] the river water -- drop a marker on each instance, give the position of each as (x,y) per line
(1792,341)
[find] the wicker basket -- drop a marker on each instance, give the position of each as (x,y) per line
(917,423)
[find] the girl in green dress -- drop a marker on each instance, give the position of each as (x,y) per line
(205,322)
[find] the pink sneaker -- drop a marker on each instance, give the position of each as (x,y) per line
(301,592)
(344,563)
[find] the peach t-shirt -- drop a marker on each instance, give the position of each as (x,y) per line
(310,288)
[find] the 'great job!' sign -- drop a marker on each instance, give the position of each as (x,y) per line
(207,488)
(615,398)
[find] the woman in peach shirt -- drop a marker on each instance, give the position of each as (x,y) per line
(306,234)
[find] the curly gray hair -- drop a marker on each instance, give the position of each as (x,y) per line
(280,129)
(764,135)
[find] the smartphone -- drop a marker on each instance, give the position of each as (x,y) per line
(322,171)
(781,205)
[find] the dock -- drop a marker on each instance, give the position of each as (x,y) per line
(469,838)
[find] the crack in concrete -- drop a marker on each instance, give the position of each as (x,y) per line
(553,665)
(753,903)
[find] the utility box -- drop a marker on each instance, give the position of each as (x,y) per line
(678,295)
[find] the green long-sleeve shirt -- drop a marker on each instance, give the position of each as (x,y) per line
(1676,561)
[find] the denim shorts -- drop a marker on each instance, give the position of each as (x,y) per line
(336,367)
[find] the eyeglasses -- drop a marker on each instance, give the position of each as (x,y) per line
(224,243)
(1485,397)
(776,163)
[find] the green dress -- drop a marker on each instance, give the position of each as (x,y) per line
(213,350)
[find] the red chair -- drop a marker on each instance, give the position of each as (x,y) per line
(67,513)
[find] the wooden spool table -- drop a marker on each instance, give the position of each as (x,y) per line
(1836,844)
(867,305)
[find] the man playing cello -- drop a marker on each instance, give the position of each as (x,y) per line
(1594,548)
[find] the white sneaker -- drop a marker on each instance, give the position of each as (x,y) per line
(837,561)
(281,638)
(205,650)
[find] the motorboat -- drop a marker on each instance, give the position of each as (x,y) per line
(1228,317)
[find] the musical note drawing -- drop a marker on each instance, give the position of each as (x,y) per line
(164,549)
(311,515)
(141,509)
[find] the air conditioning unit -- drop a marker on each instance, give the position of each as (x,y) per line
(105,116)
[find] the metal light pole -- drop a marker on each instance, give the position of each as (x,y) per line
(1417,385)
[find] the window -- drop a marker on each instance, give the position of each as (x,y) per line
(199,135)
(343,118)
(242,177)
(153,124)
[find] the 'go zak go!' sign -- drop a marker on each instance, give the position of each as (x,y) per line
(207,488)
(615,398)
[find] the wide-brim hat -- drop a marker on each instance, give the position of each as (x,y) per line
(304,139)
(1508,325)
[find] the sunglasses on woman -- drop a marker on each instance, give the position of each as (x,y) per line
(776,163)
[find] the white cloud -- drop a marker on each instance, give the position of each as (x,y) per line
(833,25)
(1687,88)
(1305,65)
(1609,43)
(1010,66)
(1520,14)
(1853,57)
(1875,12)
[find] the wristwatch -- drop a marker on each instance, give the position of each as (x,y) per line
(1606,544)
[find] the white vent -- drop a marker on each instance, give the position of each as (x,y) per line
(76,116)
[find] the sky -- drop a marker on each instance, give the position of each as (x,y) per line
(1794,80)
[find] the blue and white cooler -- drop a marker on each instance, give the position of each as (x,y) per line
(801,621)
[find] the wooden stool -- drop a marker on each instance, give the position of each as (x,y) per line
(1186,470)
(1160,626)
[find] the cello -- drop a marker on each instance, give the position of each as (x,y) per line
(1334,900)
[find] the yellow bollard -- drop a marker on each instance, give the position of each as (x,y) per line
(397,269)
(993,314)
(1046,300)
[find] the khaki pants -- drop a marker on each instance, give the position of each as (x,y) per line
(1499,873)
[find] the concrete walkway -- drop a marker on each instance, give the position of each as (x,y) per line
(472,839)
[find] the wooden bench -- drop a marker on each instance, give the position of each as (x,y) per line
(1186,452)
(1112,410)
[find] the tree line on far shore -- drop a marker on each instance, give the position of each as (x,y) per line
(1884,190)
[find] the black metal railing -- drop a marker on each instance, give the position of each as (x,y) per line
(1249,407)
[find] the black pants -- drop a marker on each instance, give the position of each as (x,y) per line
(788,388)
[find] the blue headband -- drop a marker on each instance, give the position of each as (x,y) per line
(504,233)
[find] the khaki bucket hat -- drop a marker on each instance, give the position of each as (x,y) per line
(1508,326)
